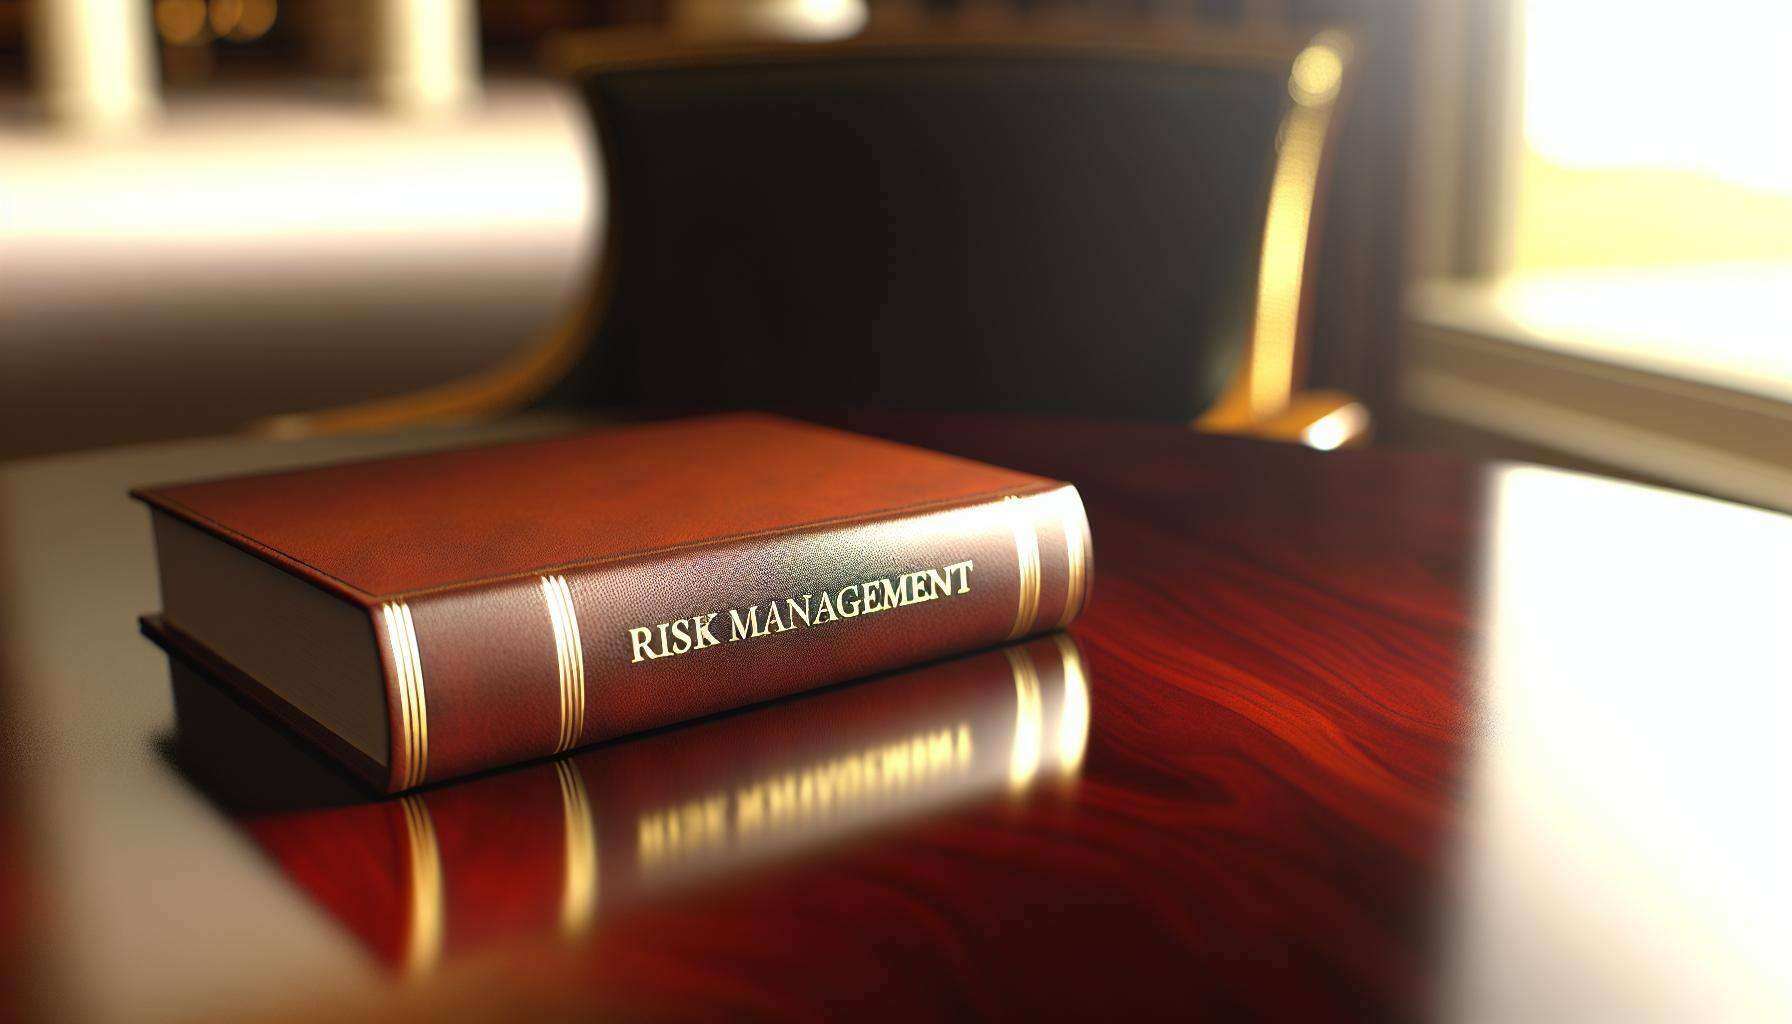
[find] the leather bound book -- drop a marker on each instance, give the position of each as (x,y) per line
(430,616)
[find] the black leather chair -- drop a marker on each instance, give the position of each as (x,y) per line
(1063,222)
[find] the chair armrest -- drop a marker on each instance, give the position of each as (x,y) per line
(1318,419)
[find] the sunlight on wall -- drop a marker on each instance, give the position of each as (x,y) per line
(1655,133)
(1622,83)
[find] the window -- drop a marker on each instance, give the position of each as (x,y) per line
(1655,133)
(1622,293)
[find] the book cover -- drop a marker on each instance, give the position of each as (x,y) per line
(434,615)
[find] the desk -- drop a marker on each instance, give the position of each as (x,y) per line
(1365,734)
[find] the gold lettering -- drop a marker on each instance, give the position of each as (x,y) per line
(741,628)
(642,639)
(912,585)
(895,594)
(704,637)
(795,610)
(938,582)
(867,597)
(964,574)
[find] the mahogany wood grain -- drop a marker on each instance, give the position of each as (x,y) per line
(1284,657)
(1276,645)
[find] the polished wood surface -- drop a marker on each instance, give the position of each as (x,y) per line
(1367,735)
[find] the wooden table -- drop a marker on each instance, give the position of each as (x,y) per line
(1340,735)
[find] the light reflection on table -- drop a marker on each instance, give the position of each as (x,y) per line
(1307,675)
(548,848)
(1625,840)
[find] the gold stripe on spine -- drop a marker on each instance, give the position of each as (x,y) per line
(1029,719)
(1076,558)
(1026,550)
(578,893)
(412,748)
(569,654)
(423,938)
(556,619)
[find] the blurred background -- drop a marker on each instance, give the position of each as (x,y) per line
(1558,230)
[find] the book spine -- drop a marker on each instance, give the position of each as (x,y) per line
(521,668)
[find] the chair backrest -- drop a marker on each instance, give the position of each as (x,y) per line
(1064,225)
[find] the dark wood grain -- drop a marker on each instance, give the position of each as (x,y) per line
(1275,647)
(1264,822)
(1277,652)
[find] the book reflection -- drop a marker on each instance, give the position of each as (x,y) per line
(551,847)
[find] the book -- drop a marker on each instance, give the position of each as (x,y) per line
(430,616)
(596,833)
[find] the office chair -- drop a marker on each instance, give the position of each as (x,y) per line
(1064,222)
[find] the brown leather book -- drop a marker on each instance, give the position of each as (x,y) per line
(430,616)
(662,817)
